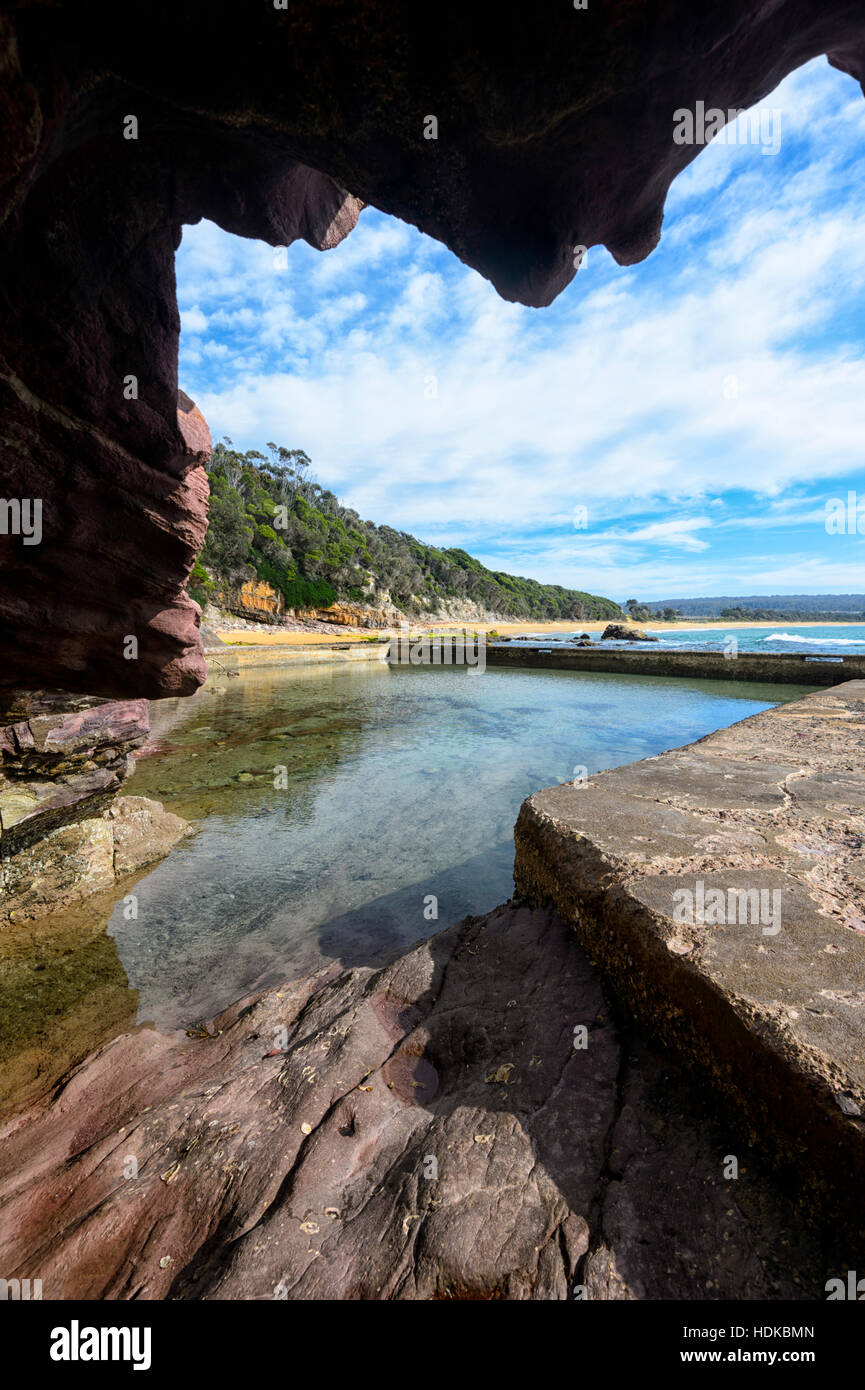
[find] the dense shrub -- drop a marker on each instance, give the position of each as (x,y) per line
(269,518)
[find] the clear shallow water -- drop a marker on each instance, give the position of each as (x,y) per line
(846,639)
(401,783)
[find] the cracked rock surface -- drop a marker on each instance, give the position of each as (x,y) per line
(428,1130)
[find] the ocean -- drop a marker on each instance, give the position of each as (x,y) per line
(828,638)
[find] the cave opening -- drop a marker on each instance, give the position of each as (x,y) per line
(665,429)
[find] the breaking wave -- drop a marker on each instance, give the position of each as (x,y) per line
(815,641)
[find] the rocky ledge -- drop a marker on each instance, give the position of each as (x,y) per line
(480,1119)
(719,889)
(467,1123)
(64,832)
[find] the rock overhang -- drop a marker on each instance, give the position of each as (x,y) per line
(554,130)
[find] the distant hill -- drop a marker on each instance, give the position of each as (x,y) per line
(270,520)
(772,607)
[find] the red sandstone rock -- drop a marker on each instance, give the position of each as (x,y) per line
(58,761)
(63,832)
(194,428)
(424,1131)
(554,131)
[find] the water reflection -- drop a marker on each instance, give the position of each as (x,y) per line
(63,992)
(393,786)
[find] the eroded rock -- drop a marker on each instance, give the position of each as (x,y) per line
(438,1129)
(64,834)
(550,135)
(623,632)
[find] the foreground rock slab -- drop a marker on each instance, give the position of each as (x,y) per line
(425,1131)
(719,889)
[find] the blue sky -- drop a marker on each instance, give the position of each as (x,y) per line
(700,407)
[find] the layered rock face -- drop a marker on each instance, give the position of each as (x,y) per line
(63,832)
(255,599)
(513,136)
(354,615)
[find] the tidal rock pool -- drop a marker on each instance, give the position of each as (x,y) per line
(344,812)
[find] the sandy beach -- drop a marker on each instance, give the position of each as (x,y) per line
(284,638)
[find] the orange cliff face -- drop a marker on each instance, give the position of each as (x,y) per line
(256,599)
(259,596)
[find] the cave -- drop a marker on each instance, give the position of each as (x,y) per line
(516,138)
(551,134)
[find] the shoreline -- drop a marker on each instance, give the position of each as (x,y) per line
(294,637)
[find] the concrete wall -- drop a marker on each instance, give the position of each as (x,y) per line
(768,1013)
(246,656)
(788,668)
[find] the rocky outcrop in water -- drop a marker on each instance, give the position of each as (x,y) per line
(621,632)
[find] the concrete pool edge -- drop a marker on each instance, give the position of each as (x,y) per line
(233,659)
(773,1019)
(782,668)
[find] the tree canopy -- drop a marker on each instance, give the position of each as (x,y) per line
(270,518)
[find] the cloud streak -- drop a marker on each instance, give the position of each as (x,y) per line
(700,407)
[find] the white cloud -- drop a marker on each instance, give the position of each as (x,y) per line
(728,363)
(194,321)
